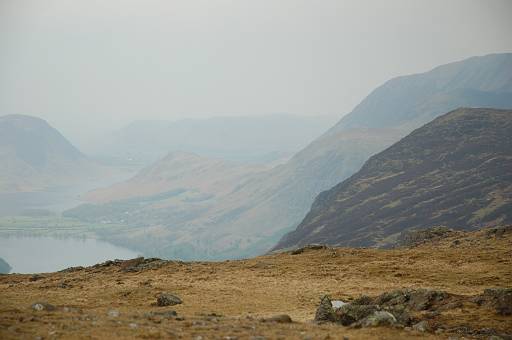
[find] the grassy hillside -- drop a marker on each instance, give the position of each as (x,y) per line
(237,299)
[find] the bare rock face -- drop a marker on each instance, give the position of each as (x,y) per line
(166,299)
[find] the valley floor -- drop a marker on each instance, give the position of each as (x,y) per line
(227,300)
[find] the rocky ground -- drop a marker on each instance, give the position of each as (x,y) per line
(448,284)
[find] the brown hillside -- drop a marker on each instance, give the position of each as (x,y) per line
(225,300)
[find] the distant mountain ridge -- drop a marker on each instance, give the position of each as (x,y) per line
(237,138)
(454,171)
(35,156)
(478,81)
(268,204)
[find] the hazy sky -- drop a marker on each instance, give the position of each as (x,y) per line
(91,64)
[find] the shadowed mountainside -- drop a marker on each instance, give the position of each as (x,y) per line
(454,171)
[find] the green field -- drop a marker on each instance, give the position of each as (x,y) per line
(54,226)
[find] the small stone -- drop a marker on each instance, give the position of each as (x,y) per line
(40,306)
(378,318)
(113,313)
(421,326)
(495,337)
(133,325)
(164,314)
(35,277)
(166,299)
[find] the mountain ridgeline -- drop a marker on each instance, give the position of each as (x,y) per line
(35,156)
(251,218)
(455,171)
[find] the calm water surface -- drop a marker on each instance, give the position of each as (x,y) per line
(48,254)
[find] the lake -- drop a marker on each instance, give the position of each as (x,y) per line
(49,254)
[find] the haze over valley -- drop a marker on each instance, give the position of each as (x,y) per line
(256,169)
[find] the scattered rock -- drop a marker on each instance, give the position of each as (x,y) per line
(455,243)
(282,318)
(325,312)
(422,299)
(40,306)
(164,314)
(113,313)
(36,277)
(308,247)
(349,314)
(498,232)
(498,298)
(166,299)
(140,263)
(71,269)
(410,238)
(378,318)
(64,285)
(421,326)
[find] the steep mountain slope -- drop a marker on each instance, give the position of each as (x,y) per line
(35,156)
(455,171)
(252,218)
(246,139)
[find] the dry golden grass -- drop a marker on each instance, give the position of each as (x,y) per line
(243,291)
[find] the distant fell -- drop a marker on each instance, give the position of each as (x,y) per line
(35,156)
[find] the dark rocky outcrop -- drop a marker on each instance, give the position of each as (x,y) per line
(417,237)
(414,309)
(325,312)
(498,298)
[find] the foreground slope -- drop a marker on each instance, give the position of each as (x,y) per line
(225,300)
(252,218)
(454,171)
